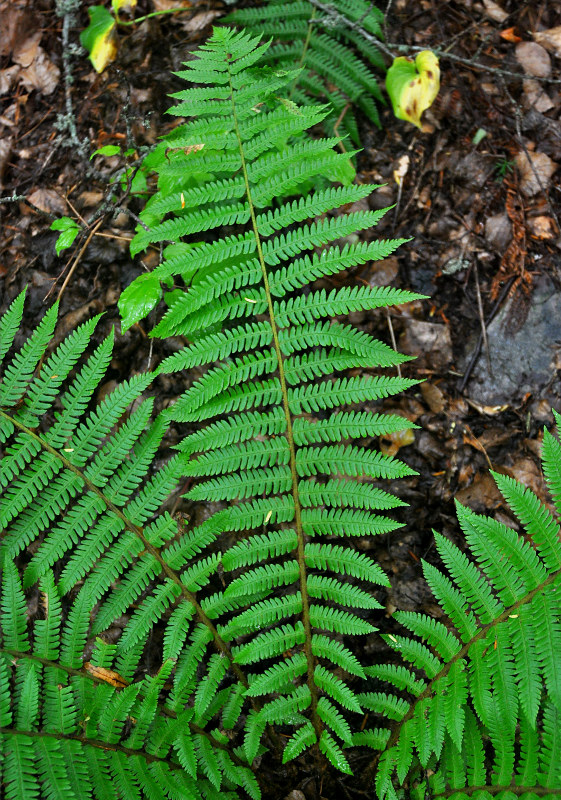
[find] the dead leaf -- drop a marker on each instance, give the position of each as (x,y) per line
(199,21)
(48,200)
(536,179)
(41,75)
(106,675)
(429,341)
(494,11)
(15,22)
(26,52)
(543,227)
(536,97)
(391,443)
(400,171)
(509,35)
(533,59)
(8,78)
(433,397)
(5,152)
(168,5)
(481,495)
(550,39)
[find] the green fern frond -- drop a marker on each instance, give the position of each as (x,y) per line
(322,46)
(484,712)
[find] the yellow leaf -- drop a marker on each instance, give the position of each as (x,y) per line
(413,86)
(100,37)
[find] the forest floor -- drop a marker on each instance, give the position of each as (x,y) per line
(479,196)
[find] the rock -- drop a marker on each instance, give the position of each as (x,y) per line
(533,59)
(524,361)
(535,174)
(498,231)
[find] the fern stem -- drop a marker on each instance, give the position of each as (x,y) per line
(311,662)
(97,743)
(539,791)
(221,645)
(481,634)
(307,39)
(83,673)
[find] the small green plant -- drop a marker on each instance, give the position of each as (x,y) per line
(503,168)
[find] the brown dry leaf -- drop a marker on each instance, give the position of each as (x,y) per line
(481,495)
(384,272)
(489,411)
(168,5)
(543,168)
(433,397)
(543,227)
(5,152)
(106,675)
(13,23)
(533,59)
(551,39)
(8,78)
(428,341)
(494,11)
(536,96)
(26,52)
(199,21)
(526,471)
(510,35)
(41,75)
(47,200)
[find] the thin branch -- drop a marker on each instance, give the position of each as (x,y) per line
(83,673)
(393,48)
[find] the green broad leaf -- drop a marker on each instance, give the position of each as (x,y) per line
(69,230)
(138,299)
(99,38)
(106,150)
(413,85)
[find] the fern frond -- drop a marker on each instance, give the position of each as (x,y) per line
(324,52)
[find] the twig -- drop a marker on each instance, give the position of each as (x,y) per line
(76,261)
(482,318)
(21,198)
(392,337)
(490,318)
(66,9)
(340,119)
(522,144)
(390,48)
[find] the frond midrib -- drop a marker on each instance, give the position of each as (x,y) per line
(311,660)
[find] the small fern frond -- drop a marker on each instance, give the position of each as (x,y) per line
(492,674)
(323,47)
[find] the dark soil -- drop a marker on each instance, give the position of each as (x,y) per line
(486,248)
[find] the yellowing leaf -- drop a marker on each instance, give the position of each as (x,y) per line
(99,38)
(123,5)
(413,85)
